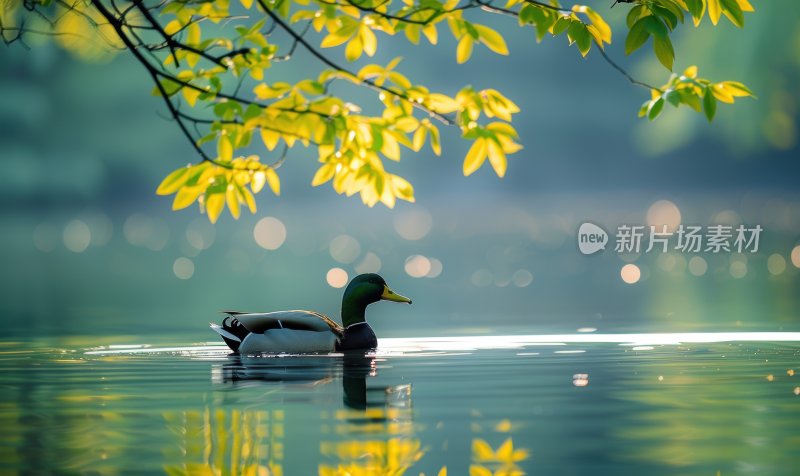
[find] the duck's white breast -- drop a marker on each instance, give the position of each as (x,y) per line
(288,341)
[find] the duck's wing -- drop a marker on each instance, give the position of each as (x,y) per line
(296,319)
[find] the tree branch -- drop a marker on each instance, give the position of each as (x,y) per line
(389,16)
(619,68)
(487,6)
(118,27)
(325,60)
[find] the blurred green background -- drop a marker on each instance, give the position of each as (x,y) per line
(88,248)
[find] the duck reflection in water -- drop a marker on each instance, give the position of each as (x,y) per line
(351,368)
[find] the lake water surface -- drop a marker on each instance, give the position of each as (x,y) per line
(686,404)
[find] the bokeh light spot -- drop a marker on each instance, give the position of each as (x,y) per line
(269,233)
(698,266)
(336,277)
(630,273)
(481,278)
(77,236)
(183,268)
(137,229)
(522,278)
(776,264)
(414,224)
(436,268)
(727,217)
(738,269)
(580,380)
(200,234)
(796,256)
(370,263)
(664,212)
(417,266)
(344,249)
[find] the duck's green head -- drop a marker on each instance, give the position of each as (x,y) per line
(362,291)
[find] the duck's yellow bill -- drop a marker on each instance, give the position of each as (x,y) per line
(390,295)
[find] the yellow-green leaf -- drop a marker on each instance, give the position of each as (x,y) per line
(419,138)
(214,205)
(324,174)
(190,95)
(721,93)
(369,40)
(475,157)
(402,188)
(431,33)
(388,197)
(464,49)
(436,144)
(173,181)
(233,201)
(354,49)
(599,23)
(497,158)
(186,196)
(193,33)
(442,104)
(249,199)
(492,39)
(270,138)
(737,89)
(732,10)
(224,149)
(265,91)
(412,33)
(390,148)
(339,36)
(258,181)
(172,27)
(714,10)
(274,181)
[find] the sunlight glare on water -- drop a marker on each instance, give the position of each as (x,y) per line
(691,403)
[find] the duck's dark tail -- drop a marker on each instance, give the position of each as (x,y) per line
(232,332)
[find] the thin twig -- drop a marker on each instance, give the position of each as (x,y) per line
(118,27)
(622,71)
(324,59)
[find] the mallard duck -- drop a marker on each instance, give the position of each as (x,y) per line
(309,331)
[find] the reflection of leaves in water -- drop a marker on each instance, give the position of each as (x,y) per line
(218,442)
(503,426)
(481,451)
(477,470)
(500,462)
(392,456)
(368,458)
